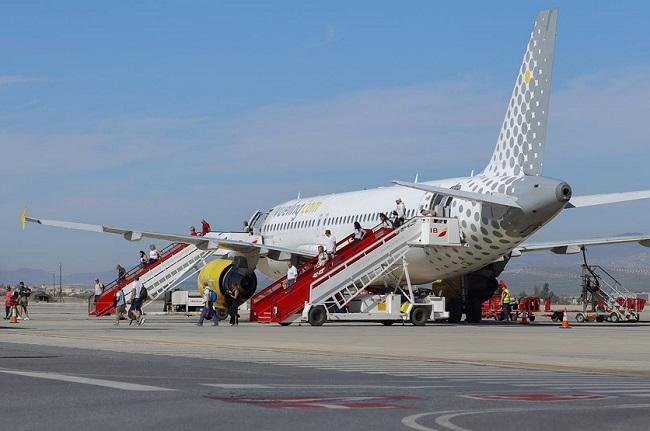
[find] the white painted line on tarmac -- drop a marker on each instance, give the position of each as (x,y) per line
(310,386)
(125,386)
(237,386)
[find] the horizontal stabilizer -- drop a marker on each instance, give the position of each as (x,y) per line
(574,246)
(493,198)
(607,198)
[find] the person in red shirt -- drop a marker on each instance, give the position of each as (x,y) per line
(193,231)
(205,227)
(7,303)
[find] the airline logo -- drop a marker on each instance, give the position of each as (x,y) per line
(299,208)
(441,234)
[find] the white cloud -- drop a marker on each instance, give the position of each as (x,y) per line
(18,79)
(332,34)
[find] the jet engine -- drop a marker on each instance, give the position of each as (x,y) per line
(224,275)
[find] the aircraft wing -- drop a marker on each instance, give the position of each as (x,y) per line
(201,242)
(575,246)
(606,198)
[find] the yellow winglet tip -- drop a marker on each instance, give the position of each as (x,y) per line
(23,218)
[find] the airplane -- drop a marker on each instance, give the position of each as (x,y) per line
(497,209)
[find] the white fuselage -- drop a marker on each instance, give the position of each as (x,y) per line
(486,230)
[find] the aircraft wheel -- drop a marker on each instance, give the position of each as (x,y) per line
(419,316)
(474,311)
(317,316)
(222,313)
(455,311)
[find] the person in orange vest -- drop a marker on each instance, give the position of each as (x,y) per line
(193,231)
(506,300)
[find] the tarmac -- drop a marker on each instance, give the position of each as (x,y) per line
(74,371)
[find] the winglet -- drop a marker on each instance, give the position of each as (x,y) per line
(23,218)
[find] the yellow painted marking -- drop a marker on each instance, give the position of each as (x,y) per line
(23,218)
(527,76)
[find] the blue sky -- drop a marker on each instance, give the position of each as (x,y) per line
(155,114)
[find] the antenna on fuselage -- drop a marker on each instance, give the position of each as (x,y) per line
(471,173)
(416,178)
(298,195)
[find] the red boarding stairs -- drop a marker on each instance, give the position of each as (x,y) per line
(104,305)
(279,303)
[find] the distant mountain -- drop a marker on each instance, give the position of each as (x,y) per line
(36,277)
(629,263)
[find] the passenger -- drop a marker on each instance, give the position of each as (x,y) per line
(24,293)
(154,254)
(193,231)
(322,257)
(135,311)
(330,244)
(205,227)
(292,275)
(359,233)
(427,212)
(121,273)
(120,305)
(401,212)
(394,219)
(384,221)
(7,303)
(233,306)
(208,311)
(99,289)
(144,260)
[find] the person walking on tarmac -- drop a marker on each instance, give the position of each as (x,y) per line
(506,301)
(120,306)
(233,306)
(208,311)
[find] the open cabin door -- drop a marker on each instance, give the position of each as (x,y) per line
(441,204)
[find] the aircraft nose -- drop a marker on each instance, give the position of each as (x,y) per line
(563,192)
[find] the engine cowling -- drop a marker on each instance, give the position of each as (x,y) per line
(223,275)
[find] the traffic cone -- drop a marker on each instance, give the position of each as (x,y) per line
(14,317)
(524,319)
(565,321)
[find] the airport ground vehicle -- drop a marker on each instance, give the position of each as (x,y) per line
(182,300)
(530,305)
(605,299)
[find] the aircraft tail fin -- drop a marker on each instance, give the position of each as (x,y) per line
(520,146)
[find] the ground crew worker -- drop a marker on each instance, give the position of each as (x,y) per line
(506,300)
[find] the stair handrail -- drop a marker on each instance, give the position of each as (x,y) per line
(130,275)
(386,234)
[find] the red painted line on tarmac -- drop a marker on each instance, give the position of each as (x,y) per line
(339,403)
